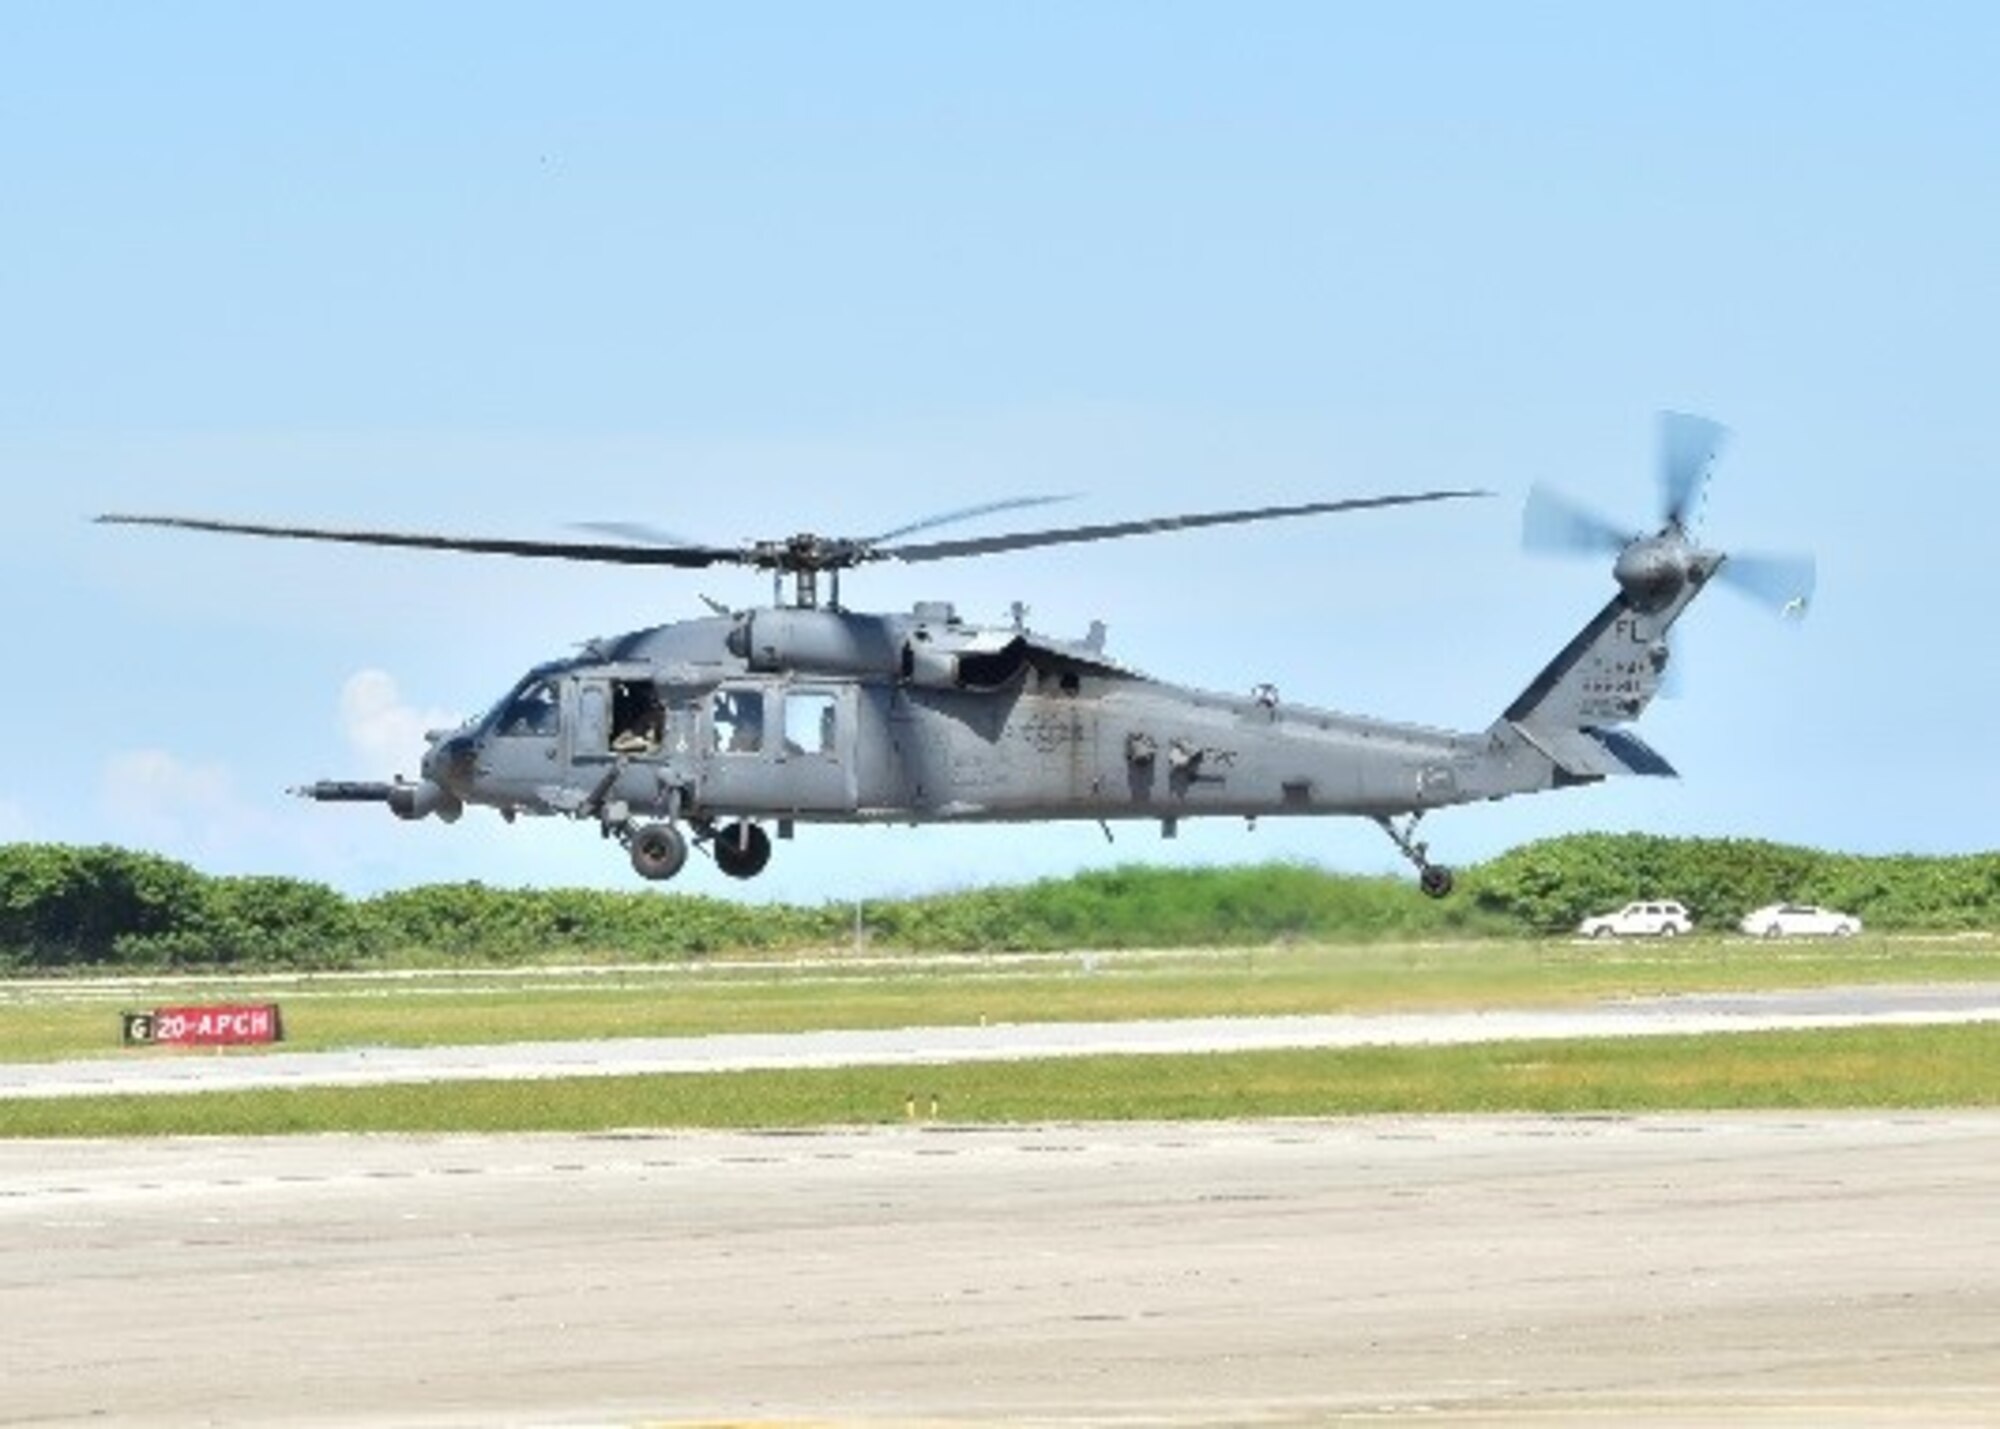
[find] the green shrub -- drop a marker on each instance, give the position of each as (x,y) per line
(1549,886)
(64,908)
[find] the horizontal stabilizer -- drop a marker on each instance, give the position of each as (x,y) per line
(1594,752)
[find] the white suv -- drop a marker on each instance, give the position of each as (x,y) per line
(1640,920)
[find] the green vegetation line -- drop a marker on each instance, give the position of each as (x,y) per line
(78,910)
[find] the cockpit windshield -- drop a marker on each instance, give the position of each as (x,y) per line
(534,708)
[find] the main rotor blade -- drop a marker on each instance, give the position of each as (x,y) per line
(684,556)
(1012,503)
(1552,522)
(637,532)
(1784,583)
(1688,447)
(1111,531)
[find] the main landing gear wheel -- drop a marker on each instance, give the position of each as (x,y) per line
(1433,878)
(658,850)
(742,850)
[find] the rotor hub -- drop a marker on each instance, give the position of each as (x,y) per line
(807,552)
(1652,572)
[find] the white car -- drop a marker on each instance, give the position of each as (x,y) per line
(1639,920)
(1799,920)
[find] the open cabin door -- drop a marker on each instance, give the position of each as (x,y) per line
(617,716)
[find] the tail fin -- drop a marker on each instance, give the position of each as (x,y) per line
(1603,678)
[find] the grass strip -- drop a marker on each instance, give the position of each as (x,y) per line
(1894,1067)
(49,1020)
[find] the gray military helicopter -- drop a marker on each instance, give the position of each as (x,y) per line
(703,732)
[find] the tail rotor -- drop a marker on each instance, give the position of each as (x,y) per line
(1689,445)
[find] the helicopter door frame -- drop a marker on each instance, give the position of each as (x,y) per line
(600,710)
(589,728)
(815,744)
(525,737)
(786,749)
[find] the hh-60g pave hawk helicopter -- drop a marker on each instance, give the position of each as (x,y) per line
(803,712)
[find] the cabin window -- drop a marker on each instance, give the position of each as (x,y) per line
(534,711)
(638,718)
(737,720)
(809,724)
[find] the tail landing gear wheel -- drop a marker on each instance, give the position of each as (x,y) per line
(658,850)
(1434,878)
(742,850)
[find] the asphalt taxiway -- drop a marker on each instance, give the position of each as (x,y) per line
(1670,1269)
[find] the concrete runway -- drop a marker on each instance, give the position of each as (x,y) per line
(1676,1269)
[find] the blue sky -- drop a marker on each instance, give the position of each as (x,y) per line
(498,269)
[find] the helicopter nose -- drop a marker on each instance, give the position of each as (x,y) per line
(449,762)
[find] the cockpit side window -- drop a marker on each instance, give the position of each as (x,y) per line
(536,710)
(736,718)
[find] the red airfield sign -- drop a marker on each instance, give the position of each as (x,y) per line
(215,1025)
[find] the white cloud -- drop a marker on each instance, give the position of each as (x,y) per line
(189,810)
(15,825)
(386,734)
(198,813)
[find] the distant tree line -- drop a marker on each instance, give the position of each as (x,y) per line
(73,909)
(1549,886)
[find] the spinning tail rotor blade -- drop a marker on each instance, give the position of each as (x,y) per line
(1673,680)
(1688,447)
(1552,522)
(1783,583)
